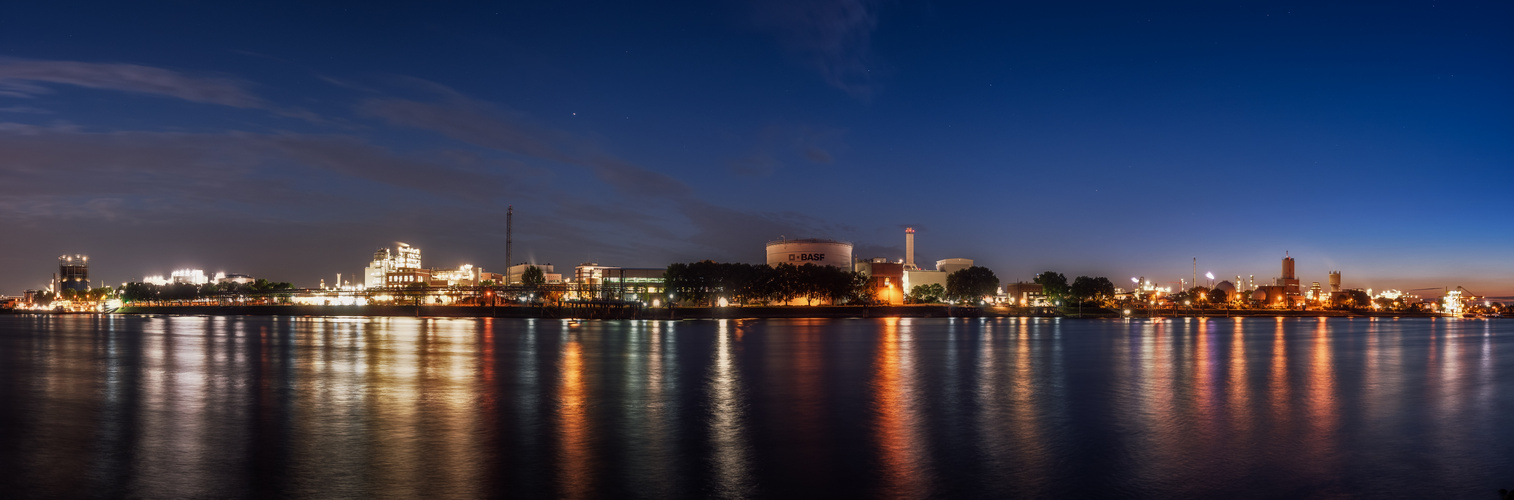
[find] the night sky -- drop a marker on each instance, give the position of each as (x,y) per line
(289,141)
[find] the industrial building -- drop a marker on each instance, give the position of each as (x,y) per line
(1289,281)
(914,276)
(515,272)
(196,277)
(885,278)
(1284,292)
(1024,294)
(397,268)
(180,276)
(402,267)
(881,273)
(618,283)
(73,272)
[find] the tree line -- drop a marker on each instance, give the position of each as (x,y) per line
(184,293)
(1083,289)
(704,283)
(91,296)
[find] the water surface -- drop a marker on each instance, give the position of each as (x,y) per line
(186,406)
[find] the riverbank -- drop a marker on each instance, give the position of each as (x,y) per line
(1245,313)
(581,311)
(617,311)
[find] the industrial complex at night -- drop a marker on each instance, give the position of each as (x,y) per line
(398,275)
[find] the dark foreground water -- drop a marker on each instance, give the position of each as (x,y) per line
(174,407)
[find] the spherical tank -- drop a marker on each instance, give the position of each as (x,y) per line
(810,251)
(1226,286)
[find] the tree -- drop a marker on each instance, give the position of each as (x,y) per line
(1350,299)
(139,292)
(1053,285)
(926,294)
(533,277)
(1217,296)
(861,293)
(1085,289)
(785,285)
(971,285)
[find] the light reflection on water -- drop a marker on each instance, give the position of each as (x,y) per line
(465,408)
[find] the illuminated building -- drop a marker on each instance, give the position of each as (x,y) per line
(382,264)
(1452,303)
(407,277)
(1459,301)
(1315,292)
(516,271)
(1148,289)
(921,277)
(949,266)
(73,272)
(464,275)
(1272,296)
(623,283)
(1024,294)
(400,267)
(180,276)
(1335,281)
(1289,281)
(885,279)
(913,275)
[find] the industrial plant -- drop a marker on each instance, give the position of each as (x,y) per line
(396,275)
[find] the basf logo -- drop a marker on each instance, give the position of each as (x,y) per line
(806,257)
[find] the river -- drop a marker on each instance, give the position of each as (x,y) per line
(259,407)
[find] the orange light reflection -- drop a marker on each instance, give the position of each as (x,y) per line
(893,386)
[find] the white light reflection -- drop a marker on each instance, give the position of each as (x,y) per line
(727,422)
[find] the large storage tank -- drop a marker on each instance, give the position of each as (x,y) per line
(810,251)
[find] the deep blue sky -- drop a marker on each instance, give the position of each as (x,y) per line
(289,141)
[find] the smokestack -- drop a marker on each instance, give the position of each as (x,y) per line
(909,248)
(509,221)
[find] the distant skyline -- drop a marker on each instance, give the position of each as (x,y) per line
(291,141)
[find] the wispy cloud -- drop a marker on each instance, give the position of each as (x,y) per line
(186,170)
(834,35)
(717,231)
(775,144)
(500,128)
(24,109)
(25,78)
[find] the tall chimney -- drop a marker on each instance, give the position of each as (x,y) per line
(509,221)
(909,248)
